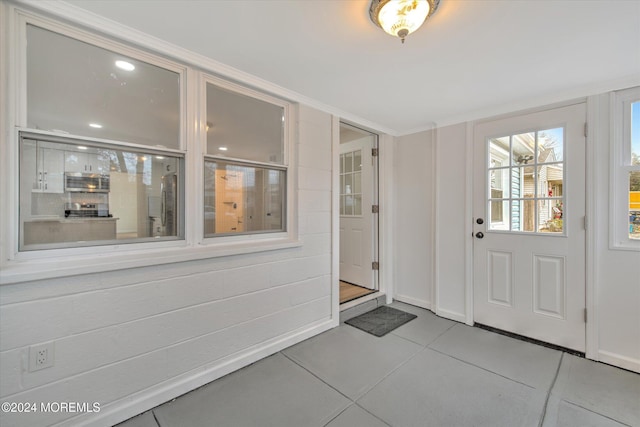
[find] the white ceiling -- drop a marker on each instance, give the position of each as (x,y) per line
(471,59)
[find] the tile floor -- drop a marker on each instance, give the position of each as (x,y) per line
(429,372)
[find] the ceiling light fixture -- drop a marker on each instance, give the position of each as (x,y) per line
(222,148)
(401,17)
(127,66)
(95,125)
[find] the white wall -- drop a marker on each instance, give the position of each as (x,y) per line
(414,181)
(451,193)
(616,272)
(135,338)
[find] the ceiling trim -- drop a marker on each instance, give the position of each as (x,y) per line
(529,103)
(100,24)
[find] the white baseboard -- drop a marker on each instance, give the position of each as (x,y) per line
(413,301)
(137,403)
(451,315)
(618,360)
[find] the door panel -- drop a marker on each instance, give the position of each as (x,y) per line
(357,245)
(529,257)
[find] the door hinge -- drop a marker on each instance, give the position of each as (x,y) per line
(585,222)
(586,129)
(585,315)
(374,152)
(375,265)
(375,208)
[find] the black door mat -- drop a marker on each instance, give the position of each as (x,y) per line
(380,321)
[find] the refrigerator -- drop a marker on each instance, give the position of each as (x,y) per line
(169,204)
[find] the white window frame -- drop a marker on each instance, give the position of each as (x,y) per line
(620,167)
(16,267)
(289,219)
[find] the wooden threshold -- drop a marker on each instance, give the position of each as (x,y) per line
(349,292)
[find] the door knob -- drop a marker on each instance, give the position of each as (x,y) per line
(479,235)
(480,221)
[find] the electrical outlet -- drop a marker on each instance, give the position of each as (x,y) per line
(40,356)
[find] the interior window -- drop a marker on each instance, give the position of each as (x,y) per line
(77,88)
(75,194)
(244,169)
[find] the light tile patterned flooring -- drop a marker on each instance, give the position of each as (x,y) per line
(429,372)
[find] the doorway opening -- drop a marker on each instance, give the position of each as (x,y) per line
(358,213)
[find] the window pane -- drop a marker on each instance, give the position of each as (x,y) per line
(348,162)
(242,199)
(499,152)
(357,205)
(523,182)
(243,127)
(357,183)
(499,183)
(635,133)
(498,212)
(634,205)
(523,215)
(523,148)
(551,145)
(550,216)
(74,194)
(357,160)
(72,85)
(550,180)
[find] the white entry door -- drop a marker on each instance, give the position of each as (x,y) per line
(357,246)
(529,236)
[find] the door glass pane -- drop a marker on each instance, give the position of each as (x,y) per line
(357,160)
(499,214)
(351,183)
(550,180)
(357,183)
(499,183)
(550,216)
(348,162)
(523,215)
(499,152)
(523,182)
(348,205)
(357,205)
(523,146)
(243,127)
(77,88)
(551,145)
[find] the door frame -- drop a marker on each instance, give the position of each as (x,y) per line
(593,109)
(385,218)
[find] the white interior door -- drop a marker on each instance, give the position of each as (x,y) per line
(356,219)
(529,207)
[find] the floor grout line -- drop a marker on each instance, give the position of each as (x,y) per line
(466,362)
(553,384)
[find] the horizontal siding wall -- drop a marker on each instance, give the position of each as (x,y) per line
(122,337)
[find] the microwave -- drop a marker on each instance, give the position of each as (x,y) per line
(86,182)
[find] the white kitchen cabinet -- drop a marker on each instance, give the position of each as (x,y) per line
(45,167)
(76,161)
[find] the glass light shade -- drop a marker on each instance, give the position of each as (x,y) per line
(402,17)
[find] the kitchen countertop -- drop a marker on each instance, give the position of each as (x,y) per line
(69,219)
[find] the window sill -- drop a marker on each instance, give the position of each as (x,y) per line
(18,271)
